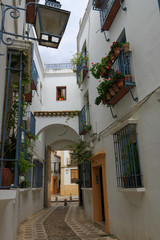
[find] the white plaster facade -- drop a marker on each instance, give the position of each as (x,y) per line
(133,213)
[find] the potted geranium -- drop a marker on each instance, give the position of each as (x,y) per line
(126,47)
(118,78)
(103,89)
(116,47)
(79,60)
(96,70)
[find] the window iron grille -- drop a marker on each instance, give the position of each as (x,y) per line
(127,158)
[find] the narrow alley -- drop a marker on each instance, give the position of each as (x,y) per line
(60,222)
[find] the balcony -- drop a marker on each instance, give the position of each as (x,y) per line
(34,76)
(108,10)
(84,123)
(30,124)
(122,64)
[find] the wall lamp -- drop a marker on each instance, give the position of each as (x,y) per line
(48,20)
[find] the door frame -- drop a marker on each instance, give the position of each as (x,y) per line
(97,161)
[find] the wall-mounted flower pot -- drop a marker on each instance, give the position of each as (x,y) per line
(28,96)
(7,177)
(112,92)
(30,13)
(126,47)
(108,95)
(120,83)
(128,78)
(113,56)
(109,63)
(117,51)
(115,87)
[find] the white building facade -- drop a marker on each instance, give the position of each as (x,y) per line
(130,210)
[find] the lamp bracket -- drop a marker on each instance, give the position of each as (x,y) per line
(15,14)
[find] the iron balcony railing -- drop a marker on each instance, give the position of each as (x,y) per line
(82,69)
(108,10)
(58,66)
(34,76)
(84,122)
(127,158)
(31,126)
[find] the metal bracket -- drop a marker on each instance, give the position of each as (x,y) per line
(134,98)
(107,39)
(5,8)
(113,115)
(123,8)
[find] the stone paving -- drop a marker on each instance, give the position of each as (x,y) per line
(60,222)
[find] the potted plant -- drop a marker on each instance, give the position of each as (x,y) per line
(118,78)
(112,55)
(126,47)
(79,61)
(102,90)
(96,70)
(116,47)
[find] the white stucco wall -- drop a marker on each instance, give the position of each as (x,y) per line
(132,215)
(13,212)
(88,203)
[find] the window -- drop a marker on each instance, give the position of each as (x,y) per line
(126,157)
(159,3)
(61,94)
(37,174)
(74,175)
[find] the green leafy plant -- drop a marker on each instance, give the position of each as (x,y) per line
(118,75)
(115,44)
(96,70)
(79,60)
(80,152)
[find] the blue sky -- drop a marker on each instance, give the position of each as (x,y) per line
(67,46)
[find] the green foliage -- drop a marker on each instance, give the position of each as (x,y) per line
(118,75)
(24,165)
(115,44)
(80,152)
(96,69)
(79,60)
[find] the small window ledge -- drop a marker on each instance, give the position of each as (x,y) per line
(132,190)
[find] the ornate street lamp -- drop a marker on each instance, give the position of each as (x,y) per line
(48,20)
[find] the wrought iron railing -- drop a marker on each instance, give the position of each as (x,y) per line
(11,143)
(84,121)
(127,158)
(59,66)
(34,76)
(31,129)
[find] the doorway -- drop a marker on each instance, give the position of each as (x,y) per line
(99,188)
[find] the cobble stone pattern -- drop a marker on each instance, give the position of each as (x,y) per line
(83,228)
(56,228)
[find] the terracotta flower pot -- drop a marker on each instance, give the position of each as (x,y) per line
(113,56)
(104,101)
(30,13)
(108,95)
(117,51)
(109,63)
(112,92)
(7,177)
(115,87)
(126,47)
(128,78)
(120,83)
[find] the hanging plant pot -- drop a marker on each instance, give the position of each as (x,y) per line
(115,87)
(126,47)
(112,92)
(113,56)
(117,51)
(30,13)
(109,63)
(128,78)
(104,101)
(108,95)
(28,96)
(120,83)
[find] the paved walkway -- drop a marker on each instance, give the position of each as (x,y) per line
(60,222)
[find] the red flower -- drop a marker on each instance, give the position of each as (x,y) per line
(117,70)
(114,42)
(111,46)
(99,80)
(92,63)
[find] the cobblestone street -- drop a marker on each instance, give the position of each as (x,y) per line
(60,222)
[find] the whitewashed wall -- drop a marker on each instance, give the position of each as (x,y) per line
(13,212)
(132,215)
